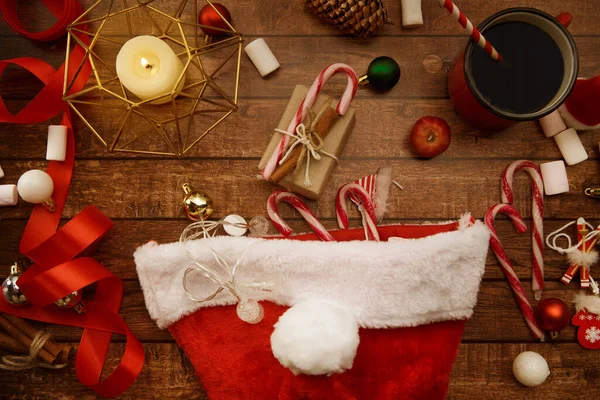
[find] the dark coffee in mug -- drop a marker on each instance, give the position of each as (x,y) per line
(530,74)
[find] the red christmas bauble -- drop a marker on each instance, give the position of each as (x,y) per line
(552,315)
(208,16)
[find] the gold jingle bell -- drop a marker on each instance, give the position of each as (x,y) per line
(196,206)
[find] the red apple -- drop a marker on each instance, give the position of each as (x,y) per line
(430,136)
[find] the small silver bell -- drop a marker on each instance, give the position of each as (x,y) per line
(11,291)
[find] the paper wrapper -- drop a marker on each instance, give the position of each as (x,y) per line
(334,143)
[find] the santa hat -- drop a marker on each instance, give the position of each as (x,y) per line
(350,319)
(581,110)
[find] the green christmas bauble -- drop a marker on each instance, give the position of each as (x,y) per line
(383,73)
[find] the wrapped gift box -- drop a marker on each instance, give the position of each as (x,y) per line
(334,143)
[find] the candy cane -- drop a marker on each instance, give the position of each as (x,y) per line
(307,103)
(507,268)
(368,209)
(298,204)
(471,30)
(537,211)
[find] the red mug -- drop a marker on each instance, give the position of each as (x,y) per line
(479,111)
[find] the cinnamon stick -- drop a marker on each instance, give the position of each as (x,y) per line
(50,346)
(10,344)
(322,128)
(22,338)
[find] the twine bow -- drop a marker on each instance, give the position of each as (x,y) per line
(310,141)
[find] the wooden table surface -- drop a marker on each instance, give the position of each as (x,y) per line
(142,194)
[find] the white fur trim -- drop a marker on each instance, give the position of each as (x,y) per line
(315,337)
(590,303)
(382,191)
(382,284)
(582,258)
(572,122)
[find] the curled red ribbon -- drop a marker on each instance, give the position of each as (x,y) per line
(59,265)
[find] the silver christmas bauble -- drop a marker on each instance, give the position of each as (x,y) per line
(250,311)
(69,301)
(13,295)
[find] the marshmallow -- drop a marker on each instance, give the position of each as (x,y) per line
(555,177)
(570,147)
(56,150)
(552,124)
(1,173)
(261,55)
(8,195)
(412,16)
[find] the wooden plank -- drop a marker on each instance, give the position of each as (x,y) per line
(245,134)
(424,63)
(433,189)
(261,18)
(116,250)
(482,371)
(496,316)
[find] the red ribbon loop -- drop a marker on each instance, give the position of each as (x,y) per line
(56,271)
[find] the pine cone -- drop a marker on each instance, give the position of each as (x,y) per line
(360,18)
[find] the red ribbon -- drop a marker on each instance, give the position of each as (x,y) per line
(59,265)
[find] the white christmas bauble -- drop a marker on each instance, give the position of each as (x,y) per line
(35,186)
(530,368)
(315,337)
(235,225)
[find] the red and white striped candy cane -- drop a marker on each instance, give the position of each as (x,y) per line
(537,213)
(473,32)
(300,205)
(305,106)
(507,268)
(368,209)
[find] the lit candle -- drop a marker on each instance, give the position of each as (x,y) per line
(149,68)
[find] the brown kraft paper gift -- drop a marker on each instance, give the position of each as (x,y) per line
(334,143)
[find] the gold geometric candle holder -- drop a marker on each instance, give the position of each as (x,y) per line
(123,122)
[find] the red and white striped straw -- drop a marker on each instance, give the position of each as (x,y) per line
(537,213)
(300,205)
(507,268)
(473,32)
(305,106)
(368,209)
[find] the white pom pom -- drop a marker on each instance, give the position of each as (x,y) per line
(315,338)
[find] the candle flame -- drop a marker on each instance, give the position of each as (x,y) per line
(146,64)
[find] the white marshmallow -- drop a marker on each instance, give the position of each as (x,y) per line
(8,195)
(412,16)
(56,149)
(555,177)
(1,173)
(570,147)
(261,55)
(552,124)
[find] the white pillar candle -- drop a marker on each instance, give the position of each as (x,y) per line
(412,16)
(261,55)
(570,147)
(8,195)
(56,149)
(554,175)
(552,124)
(149,68)
(232,224)
(36,187)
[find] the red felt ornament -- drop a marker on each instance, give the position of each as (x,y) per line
(552,315)
(208,16)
